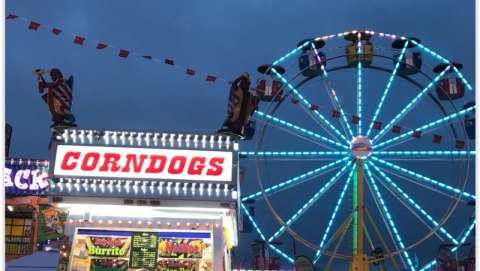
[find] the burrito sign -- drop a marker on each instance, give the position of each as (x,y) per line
(143,163)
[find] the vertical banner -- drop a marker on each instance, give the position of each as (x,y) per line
(51,223)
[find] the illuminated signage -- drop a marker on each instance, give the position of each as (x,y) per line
(143,163)
(25,178)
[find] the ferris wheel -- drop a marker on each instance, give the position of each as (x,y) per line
(363,153)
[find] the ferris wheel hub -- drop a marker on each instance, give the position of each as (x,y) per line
(361,147)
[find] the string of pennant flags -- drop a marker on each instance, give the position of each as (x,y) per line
(208,77)
(121,52)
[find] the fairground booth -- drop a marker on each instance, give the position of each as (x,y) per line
(143,200)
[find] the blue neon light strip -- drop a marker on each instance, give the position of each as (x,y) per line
(425,127)
(302,131)
(425,153)
(291,154)
(292,181)
(422,178)
(389,218)
(278,251)
(433,262)
(281,59)
(333,94)
(412,203)
(359,85)
(310,202)
(334,214)
(307,105)
(387,88)
(444,60)
(204,235)
(405,110)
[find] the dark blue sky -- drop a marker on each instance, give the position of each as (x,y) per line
(224,38)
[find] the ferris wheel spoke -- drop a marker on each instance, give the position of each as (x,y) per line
(423,184)
(300,155)
(310,202)
(409,106)
(334,214)
(386,214)
(412,203)
(462,238)
(332,94)
(262,236)
(296,180)
(307,105)
(426,127)
(444,60)
(302,132)
(429,154)
(387,88)
(359,86)
(426,179)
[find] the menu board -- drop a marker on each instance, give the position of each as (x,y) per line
(144,250)
(141,250)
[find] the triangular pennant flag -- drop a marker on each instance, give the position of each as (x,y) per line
(459,144)
(101,45)
(355,119)
(437,139)
(295,101)
(147,57)
(377,125)
(169,62)
(211,78)
(190,71)
(79,40)
(336,114)
(396,129)
(33,25)
(11,17)
(56,31)
(313,107)
(123,53)
(417,134)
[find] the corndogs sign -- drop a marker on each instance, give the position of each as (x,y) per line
(167,161)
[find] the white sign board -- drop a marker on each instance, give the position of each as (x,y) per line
(142,163)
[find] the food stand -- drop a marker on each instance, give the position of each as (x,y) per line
(145,200)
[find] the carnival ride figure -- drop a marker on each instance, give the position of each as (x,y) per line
(239,107)
(58,96)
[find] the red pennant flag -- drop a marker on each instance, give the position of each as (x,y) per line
(355,119)
(190,71)
(377,125)
(123,53)
(396,129)
(336,114)
(101,45)
(294,101)
(33,25)
(79,40)
(56,31)
(211,78)
(169,62)
(11,16)
(313,107)
(147,57)
(437,139)
(460,144)
(417,134)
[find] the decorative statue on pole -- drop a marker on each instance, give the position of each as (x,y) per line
(58,96)
(239,107)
